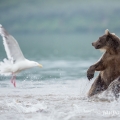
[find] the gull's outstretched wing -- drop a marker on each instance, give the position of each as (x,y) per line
(12,48)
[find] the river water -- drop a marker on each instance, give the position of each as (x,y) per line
(54,94)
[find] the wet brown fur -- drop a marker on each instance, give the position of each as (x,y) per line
(108,65)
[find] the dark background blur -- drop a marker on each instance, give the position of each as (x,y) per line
(48,29)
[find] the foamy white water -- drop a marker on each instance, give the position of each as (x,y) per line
(53,100)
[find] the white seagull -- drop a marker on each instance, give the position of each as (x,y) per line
(16,61)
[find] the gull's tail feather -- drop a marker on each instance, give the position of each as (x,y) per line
(5,67)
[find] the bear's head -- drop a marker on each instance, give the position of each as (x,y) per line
(107,41)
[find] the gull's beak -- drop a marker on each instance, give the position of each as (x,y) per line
(40,65)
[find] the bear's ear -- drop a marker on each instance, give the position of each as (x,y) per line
(113,33)
(107,32)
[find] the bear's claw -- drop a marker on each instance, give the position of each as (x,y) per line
(90,76)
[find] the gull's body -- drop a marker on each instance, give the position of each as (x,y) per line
(16,61)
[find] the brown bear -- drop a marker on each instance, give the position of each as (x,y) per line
(108,65)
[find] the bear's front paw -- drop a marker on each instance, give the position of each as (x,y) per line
(90,75)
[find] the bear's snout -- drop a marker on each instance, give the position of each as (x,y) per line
(96,45)
(93,44)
